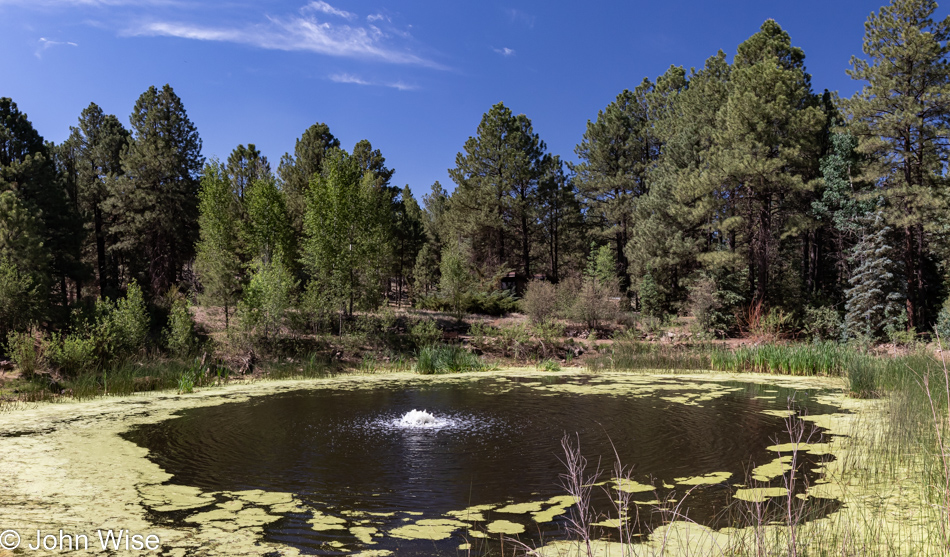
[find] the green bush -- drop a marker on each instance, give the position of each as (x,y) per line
(180,337)
(70,354)
(121,328)
(425,333)
(23,352)
(822,323)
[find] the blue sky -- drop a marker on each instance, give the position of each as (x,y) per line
(412,77)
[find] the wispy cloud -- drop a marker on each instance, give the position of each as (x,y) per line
(517,16)
(372,18)
(505,51)
(292,34)
(46,44)
(356,80)
(323,7)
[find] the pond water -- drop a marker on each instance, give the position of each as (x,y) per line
(362,479)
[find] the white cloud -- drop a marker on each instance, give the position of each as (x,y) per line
(372,18)
(323,7)
(46,44)
(348,78)
(356,80)
(292,34)
(505,51)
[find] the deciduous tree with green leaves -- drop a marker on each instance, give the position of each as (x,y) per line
(217,263)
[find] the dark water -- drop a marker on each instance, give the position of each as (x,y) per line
(342,450)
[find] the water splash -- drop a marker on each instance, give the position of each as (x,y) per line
(421,419)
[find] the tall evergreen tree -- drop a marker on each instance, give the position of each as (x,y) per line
(27,167)
(560,220)
(901,117)
(95,148)
(617,150)
(875,300)
(24,265)
(766,133)
(156,200)
(434,223)
(497,177)
(409,239)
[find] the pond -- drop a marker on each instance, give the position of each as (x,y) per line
(336,471)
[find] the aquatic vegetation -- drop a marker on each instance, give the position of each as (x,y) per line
(447,359)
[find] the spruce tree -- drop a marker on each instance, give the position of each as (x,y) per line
(875,301)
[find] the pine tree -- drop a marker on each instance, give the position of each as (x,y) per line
(95,148)
(409,239)
(27,167)
(156,201)
(497,177)
(766,136)
(875,301)
(901,117)
(245,166)
(561,222)
(616,152)
(24,266)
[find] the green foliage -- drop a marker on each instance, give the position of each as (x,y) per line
(651,300)
(24,269)
(123,326)
(70,354)
(602,266)
(456,280)
(549,365)
(180,337)
(348,236)
(425,333)
(821,323)
(493,302)
(863,381)
(495,203)
(900,117)
(447,359)
(267,298)
(217,263)
(22,349)
(826,358)
(943,323)
(267,232)
(21,299)
(297,171)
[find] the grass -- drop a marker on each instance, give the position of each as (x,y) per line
(825,358)
(447,359)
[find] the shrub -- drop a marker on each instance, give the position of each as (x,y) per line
(540,301)
(180,335)
(23,352)
(822,323)
(592,304)
(425,333)
(71,354)
(514,340)
(121,328)
(481,332)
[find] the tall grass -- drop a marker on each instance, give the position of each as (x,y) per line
(629,355)
(447,359)
(825,358)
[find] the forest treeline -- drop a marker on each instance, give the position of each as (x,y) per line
(727,192)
